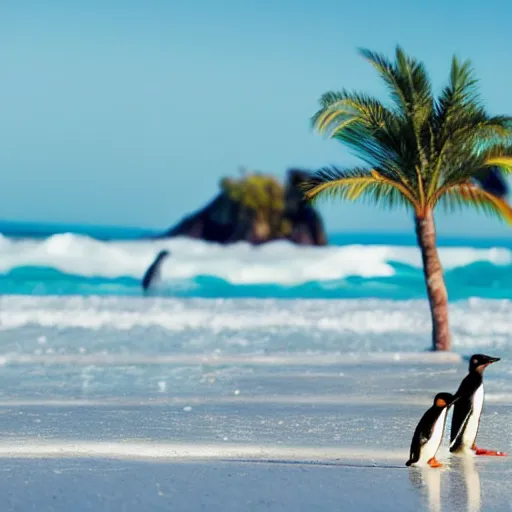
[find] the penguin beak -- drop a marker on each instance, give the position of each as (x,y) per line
(489,360)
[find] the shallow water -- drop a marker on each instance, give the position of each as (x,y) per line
(134,486)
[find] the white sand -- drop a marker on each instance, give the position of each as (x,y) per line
(285,441)
(64,484)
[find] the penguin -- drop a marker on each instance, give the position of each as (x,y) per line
(467,411)
(429,432)
(153,271)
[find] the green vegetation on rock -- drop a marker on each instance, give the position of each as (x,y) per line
(256,208)
(262,197)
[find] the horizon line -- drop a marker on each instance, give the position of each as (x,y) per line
(52,228)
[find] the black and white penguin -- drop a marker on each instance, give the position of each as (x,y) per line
(153,271)
(429,433)
(468,409)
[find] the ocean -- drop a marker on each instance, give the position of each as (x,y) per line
(78,289)
(37,259)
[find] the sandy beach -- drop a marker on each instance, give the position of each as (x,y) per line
(276,433)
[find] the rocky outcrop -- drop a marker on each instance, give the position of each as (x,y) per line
(493,181)
(256,208)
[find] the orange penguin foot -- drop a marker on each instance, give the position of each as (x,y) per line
(489,453)
(433,463)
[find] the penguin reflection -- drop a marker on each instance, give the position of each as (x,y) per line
(465,484)
(425,479)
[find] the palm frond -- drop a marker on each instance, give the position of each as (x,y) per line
(418,82)
(470,151)
(386,149)
(493,129)
(475,130)
(368,128)
(419,147)
(339,108)
(461,90)
(411,90)
(353,184)
(504,164)
(458,122)
(458,105)
(500,157)
(469,194)
(388,73)
(406,78)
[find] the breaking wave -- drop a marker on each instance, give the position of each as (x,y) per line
(76,264)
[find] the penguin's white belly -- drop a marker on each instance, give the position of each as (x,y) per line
(469,436)
(432,445)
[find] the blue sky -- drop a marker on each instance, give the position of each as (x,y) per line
(128,113)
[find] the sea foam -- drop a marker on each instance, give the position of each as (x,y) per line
(279,263)
(233,326)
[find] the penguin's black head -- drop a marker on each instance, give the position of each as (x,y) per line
(443,400)
(479,362)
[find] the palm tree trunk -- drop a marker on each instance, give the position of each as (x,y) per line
(434,279)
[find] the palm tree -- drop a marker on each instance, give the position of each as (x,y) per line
(419,151)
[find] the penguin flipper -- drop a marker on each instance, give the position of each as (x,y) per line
(418,441)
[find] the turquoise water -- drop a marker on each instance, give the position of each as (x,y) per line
(42,259)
